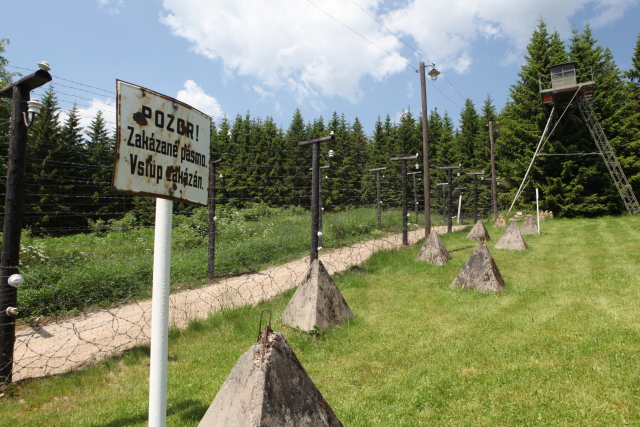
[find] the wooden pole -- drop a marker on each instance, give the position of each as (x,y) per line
(405,236)
(378,200)
(212,220)
(425,154)
(12,228)
(415,197)
(494,189)
(315,198)
(450,204)
(315,192)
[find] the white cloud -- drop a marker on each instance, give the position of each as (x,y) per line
(293,45)
(87,114)
(288,44)
(195,96)
(262,92)
(111,6)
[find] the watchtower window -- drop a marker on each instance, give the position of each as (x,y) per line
(563,76)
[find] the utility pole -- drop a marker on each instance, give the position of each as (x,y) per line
(494,189)
(415,194)
(321,207)
(378,201)
(315,192)
(405,235)
(444,200)
(211,252)
(475,194)
(20,93)
(433,74)
(449,170)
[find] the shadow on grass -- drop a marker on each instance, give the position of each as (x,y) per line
(462,248)
(187,410)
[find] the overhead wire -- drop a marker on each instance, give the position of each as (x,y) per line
(416,51)
(360,35)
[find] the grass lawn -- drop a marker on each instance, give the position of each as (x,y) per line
(559,347)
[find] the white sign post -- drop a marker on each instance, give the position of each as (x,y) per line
(161,149)
(537,211)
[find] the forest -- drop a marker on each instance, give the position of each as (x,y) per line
(69,167)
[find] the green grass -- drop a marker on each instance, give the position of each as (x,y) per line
(559,347)
(66,275)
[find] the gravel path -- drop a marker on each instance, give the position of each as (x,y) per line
(63,346)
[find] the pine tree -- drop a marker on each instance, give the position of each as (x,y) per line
(435,129)
(5,114)
(339,188)
(5,103)
(221,148)
(483,145)
(299,162)
(359,144)
(588,189)
(277,169)
(47,173)
(238,166)
(466,141)
(634,73)
(523,118)
(100,147)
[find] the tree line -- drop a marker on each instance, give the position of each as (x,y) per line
(69,168)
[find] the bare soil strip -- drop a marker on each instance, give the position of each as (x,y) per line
(63,346)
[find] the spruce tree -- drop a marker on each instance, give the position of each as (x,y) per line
(47,172)
(299,183)
(100,147)
(339,188)
(276,171)
(5,114)
(523,118)
(5,103)
(588,184)
(634,73)
(466,141)
(359,158)
(221,148)
(483,144)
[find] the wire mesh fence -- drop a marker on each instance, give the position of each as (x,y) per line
(86,293)
(87,253)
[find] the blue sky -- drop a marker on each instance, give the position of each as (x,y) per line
(270,57)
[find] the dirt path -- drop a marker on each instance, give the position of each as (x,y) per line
(70,344)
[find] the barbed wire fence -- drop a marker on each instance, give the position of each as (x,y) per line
(88,282)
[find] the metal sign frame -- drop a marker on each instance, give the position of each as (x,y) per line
(162,146)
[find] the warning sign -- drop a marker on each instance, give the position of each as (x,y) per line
(162,146)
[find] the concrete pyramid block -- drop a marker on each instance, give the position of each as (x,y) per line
(512,239)
(433,250)
(268,387)
(480,272)
(529,226)
(479,233)
(317,302)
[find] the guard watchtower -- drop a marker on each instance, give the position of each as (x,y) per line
(564,83)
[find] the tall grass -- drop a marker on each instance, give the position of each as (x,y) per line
(559,347)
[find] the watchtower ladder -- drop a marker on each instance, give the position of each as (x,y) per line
(609,157)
